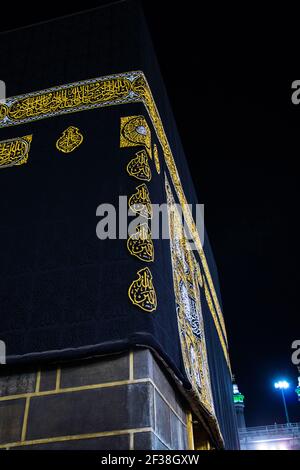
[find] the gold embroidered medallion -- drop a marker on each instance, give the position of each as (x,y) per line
(69,141)
(140,202)
(142,293)
(135,131)
(139,167)
(140,244)
(14,151)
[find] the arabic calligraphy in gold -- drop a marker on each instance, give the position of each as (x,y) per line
(3,111)
(123,88)
(140,202)
(140,244)
(135,131)
(139,167)
(141,291)
(68,98)
(14,151)
(142,89)
(156,158)
(70,140)
(188,279)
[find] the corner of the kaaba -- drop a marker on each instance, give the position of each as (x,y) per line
(110,342)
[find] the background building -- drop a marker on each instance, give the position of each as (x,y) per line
(269,437)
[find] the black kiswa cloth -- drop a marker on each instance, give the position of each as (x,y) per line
(64,292)
(63,288)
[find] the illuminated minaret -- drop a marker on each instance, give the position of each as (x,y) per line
(238,400)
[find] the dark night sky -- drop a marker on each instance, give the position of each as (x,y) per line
(240,133)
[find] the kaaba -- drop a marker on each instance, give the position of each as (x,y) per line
(112,342)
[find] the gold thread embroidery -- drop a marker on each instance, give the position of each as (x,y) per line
(156,158)
(3,111)
(140,202)
(212,309)
(187,278)
(135,131)
(107,91)
(141,291)
(140,244)
(70,140)
(139,167)
(141,88)
(88,93)
(14,151)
